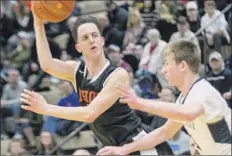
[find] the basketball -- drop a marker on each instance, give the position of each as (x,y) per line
(53,11)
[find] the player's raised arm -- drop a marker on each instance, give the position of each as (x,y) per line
(55,67)
(149,141)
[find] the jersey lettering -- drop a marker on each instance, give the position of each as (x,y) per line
(86,96)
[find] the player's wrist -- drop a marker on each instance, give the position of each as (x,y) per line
(47,109)
(126,150)
(38,25)
(140,103)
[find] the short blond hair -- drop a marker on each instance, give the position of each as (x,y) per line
(185,51)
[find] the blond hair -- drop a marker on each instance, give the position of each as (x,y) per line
(133,11)
(185,51)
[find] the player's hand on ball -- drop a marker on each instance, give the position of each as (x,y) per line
(128,96)
(37,20)
(33,101)
(111,150)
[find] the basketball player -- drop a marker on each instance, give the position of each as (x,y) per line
(200,108)
(94,80)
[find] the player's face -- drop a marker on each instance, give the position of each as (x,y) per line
(172,71)
(90,42)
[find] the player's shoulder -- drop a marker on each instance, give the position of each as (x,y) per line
(203,84)
(119,75)
(205,92)
(201,89)
(121,72)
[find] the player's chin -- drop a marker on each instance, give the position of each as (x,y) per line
(170,81)
(95,52)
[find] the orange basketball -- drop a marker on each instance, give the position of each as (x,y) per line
(53,10)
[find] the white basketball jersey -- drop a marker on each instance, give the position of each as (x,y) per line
(210,132)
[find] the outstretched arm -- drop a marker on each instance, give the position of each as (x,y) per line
(104,100)
(55,67)
(177,112)
(149,141)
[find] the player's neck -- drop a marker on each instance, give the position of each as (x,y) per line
(189,80)
(95,66)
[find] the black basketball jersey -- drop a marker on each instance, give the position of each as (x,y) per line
(116,123)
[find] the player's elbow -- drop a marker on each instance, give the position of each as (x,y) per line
(187,117)
(45,68)
(90,117)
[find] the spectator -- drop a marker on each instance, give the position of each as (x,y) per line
(220,77)
(193,16)
(8,7)
(6,27)
(167,21)
(70,47)
(152,57)
(132,54)
(216,33)
(10,100)
(115,57)
(117,15)
(60,126)
(228,97)
(228,63)
(111,34)
(136,29)
(25,129)
(22,17)
(32,67)
(183,31)
(16,148)
(21,53)
(47,142)
(167,11)
(55,29)
(81,152)
(149,14)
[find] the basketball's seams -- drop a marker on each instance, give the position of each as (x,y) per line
(70,9)
(53,11)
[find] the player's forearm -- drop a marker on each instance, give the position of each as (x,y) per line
(165,109)
(147,142)
(42,47)
(70,113)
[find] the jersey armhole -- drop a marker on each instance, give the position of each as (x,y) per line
(111,74)
(75,72)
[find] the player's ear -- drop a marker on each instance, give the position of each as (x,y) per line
(103,41)
(77,46)
(183,65)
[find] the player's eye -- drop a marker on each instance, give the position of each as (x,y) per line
(85,37)
(94,35)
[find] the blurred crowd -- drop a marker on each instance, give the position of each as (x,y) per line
(135,32)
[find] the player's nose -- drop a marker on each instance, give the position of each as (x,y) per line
(91,39)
